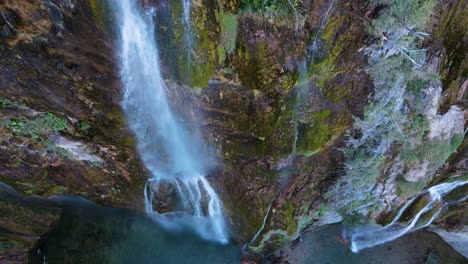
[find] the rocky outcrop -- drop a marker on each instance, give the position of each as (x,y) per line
(458,240)
(313,112)
(23,221)
(281,129)
(62,129)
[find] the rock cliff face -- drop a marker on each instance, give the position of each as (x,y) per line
(62,129)
(318,111)
(328,119)
(23,221)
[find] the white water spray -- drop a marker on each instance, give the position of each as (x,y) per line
(188,30)
(187,5)
(370,236)
(168,150)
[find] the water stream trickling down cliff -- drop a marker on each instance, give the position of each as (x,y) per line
(170,152)
(370,236)
(188,32)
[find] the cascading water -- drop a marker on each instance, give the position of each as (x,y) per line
(188,31)
(303,69)
(324,21)
(168,150)
(367,236)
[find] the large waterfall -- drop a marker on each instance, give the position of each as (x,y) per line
(168,150)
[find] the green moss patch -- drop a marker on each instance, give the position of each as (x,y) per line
(34,127)
(227,39)
(312,137)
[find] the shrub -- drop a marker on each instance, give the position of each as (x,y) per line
(283,6)
(6,103)
(54,123)
(353,219)
(227,39)
(84,125)
(395,65)
(402,13)
(44,124)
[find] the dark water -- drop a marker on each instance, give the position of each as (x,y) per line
(324,246)
(87,233)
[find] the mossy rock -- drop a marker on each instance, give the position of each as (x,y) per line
(257,69)
(406,190)
(451,33)
(312,136)
(102,14)
(195,44)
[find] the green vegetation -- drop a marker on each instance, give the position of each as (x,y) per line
(406,190)
(282,13)
(227,39)
(280,6)
(324,69)
(398,29)
(324,208)
(54,123)
(278,237)
(353,219)
(417,85)
(402,13)
(291,223)
(33,127)
(312,138)
(102,13)
(194,65)
(451,30)
(42,188)
(96,164)
(418,127)
(435,151)
(395,64)
(257,67)
(84,125)
(6,103)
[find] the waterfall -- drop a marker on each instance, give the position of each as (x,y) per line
(265,218)
(188,31)
(324,21)
(369,236)
(302,66)
(172,154)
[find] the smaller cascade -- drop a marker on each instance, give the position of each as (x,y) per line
(187,8)
(188,30)
(324,21)
(370,236)
(265,218)
(312,53)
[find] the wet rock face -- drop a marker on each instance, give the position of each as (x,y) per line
(274,98)
(449,41)
(265,130)
(262,126)
(265,127)
(23,221)
(62,129)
